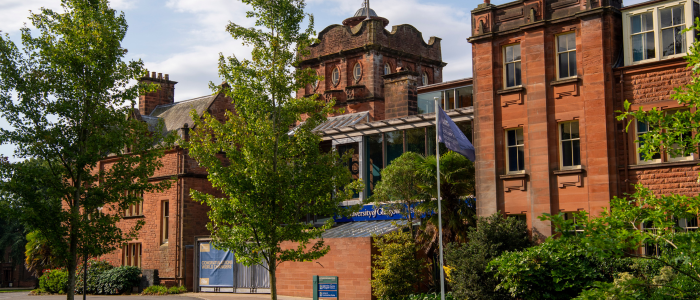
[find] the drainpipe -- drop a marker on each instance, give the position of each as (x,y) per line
(626,137)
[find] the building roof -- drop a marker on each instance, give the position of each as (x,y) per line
(344,120)
(362,229)
(363,12)
(445,85)
(177,114)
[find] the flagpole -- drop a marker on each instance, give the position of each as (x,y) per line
(437,156)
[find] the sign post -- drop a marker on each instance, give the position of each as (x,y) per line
(325,287)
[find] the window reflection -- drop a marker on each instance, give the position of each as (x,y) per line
(394,145)
(375,163)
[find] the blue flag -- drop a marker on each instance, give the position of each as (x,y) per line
(453,138)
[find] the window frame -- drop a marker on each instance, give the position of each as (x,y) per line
(505,66)
(507,156)
(655,9)
(357,71)
(690,157)
(316,82)
(387,68)
(556,51)
(335,76)
(641,161)
(561,146)
(134,210)
(660,29)
(130,256)
(425,78)
(164,221)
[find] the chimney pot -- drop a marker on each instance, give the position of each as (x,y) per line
(153,74)
(487,1)
(146,74)
(167,77)
(160,75)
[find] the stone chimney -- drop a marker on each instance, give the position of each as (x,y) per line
(400,94)
(164,95)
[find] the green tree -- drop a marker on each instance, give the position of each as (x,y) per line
(399,190)
(619,232)
(396,270)
(457,188)
(271,178)
(66,97)
(493,235)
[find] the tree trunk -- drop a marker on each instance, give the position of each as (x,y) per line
(273,278)
(72,261)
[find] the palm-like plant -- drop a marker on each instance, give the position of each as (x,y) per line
(457,187)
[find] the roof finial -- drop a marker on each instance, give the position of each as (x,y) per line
(367,8)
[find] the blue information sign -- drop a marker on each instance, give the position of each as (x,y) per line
(215,266)
(327,287)
(328,294)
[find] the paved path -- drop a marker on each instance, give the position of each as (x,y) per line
(25,296)
(231,296)
(187,296)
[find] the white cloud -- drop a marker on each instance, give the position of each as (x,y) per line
(14,13)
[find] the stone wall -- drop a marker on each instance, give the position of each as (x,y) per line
(349,258)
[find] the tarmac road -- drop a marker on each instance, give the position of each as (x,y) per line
(187,296)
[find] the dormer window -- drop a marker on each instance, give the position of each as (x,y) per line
(357,72)
(655,32)
(643,37)
(672,25)
(387,69)
(335,76)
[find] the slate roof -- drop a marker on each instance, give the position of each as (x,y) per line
(177,114)
(361,229)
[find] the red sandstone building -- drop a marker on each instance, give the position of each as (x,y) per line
(548,78)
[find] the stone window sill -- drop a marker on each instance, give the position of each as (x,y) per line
(133,217)
(568,171)
(664,164)
(510,90)
(513,176)
(565,80)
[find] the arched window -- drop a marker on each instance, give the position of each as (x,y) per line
(357,71)
(387,69)
(315,84)
(335,77)
(425,78)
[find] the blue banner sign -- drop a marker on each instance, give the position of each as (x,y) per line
(370,213)
(215,266)
(328,294)
(327,287)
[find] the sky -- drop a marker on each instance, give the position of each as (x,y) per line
(184,38)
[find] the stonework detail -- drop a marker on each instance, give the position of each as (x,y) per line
(367,43)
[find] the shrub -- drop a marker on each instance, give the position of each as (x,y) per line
(118,280)
(95,269)
(395,270)
(155,290)
(467,263)
(54,281)
(177,290)
(556,269)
